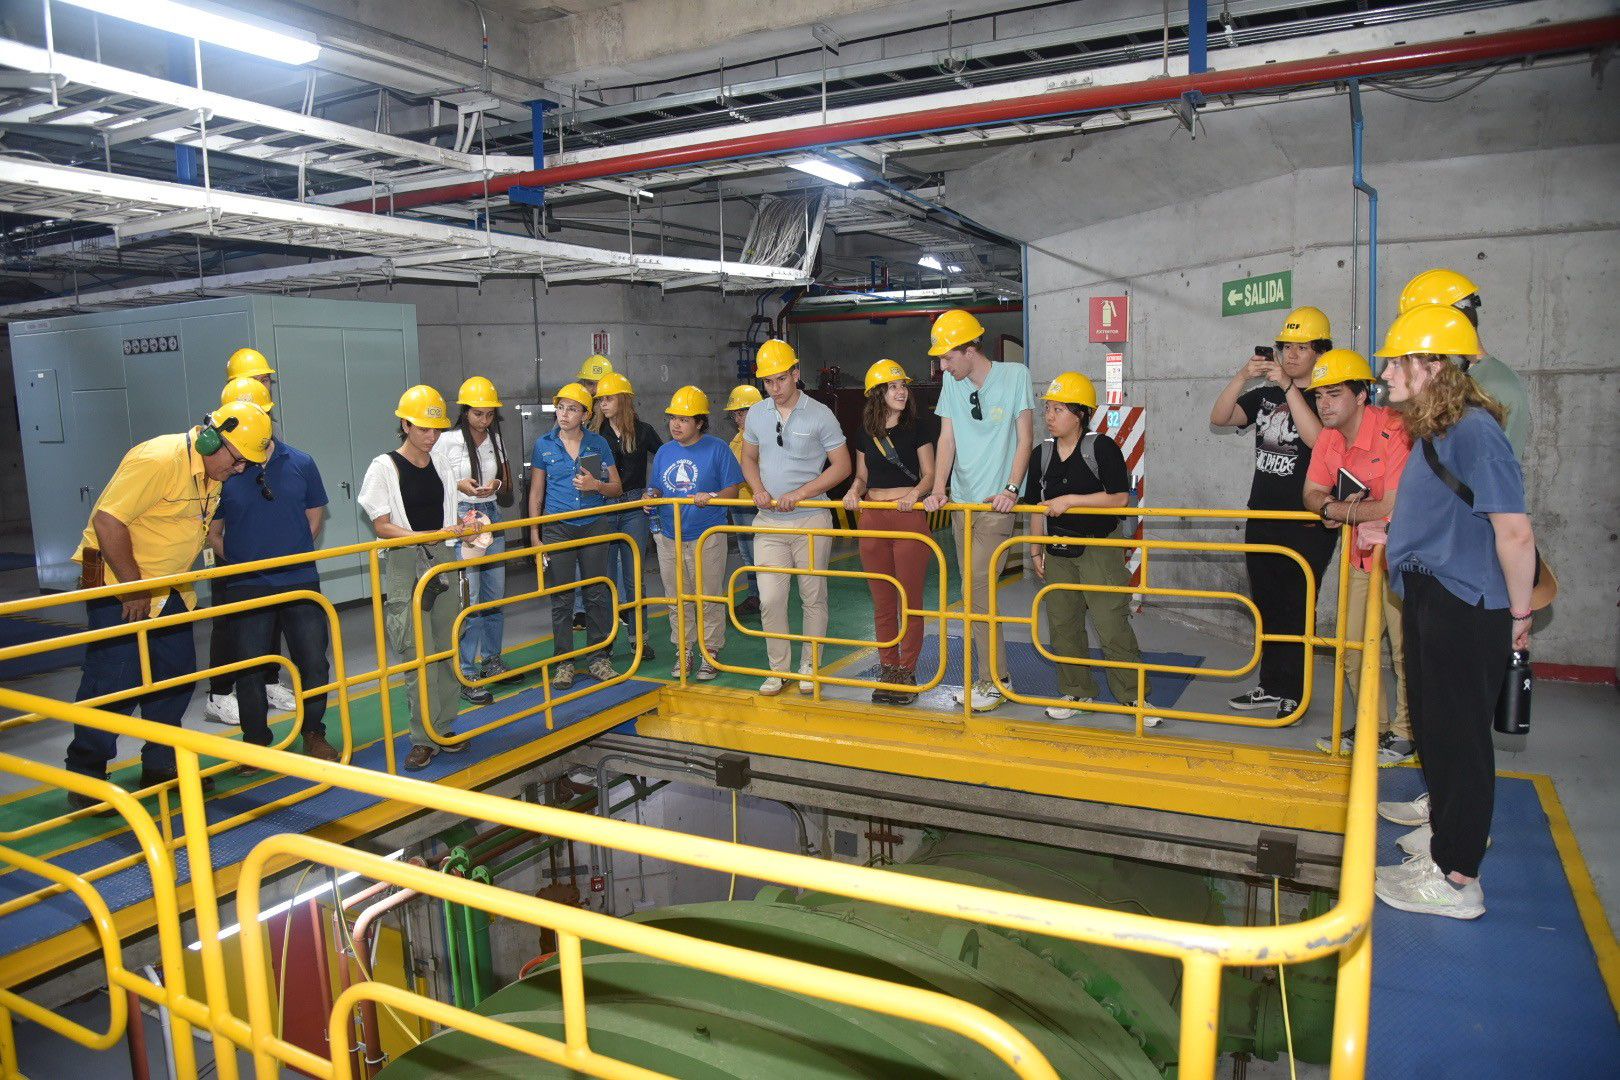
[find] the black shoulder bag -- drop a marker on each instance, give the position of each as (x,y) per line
(1539,597)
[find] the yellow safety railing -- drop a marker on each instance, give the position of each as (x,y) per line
(1202,950)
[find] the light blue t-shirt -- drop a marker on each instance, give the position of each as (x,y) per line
(1434,532)
(985,447)
(808,435)
(683,471)
(554,462)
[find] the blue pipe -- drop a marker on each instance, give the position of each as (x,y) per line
(1197,36)
(1356,126)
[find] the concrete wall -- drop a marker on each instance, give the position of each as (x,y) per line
(1536,229)
(856,345)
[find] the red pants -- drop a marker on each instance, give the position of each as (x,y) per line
(906,560)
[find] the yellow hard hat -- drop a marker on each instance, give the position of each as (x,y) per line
(1072,388)
(478,393)
(884,372)
(688,401)
(1437,286)
(1431,328)
(575,393)
(743,397)
(773,358)
(1339,366)
(614,383)
(246,427)
(247,388)
(424,407)
(594,368)
(952,329)
(249,363)
(1305,324)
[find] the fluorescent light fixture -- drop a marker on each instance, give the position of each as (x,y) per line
(826,170)
(933,263)
(210,25)
(302,898)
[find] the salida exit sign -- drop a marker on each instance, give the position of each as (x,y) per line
(1260,293)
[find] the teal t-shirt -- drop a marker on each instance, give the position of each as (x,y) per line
(1504,384)
(985,446)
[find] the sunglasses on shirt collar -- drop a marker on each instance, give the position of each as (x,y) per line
(973,400)
(779,441)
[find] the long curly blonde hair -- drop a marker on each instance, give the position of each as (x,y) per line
(1444,399)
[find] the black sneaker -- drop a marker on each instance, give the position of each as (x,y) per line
(1285,707)
(1255,700)
(476,695)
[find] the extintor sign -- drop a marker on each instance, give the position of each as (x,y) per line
(1110,318)
(1114,371)
(601,343)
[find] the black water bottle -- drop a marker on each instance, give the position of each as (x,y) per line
(1513,704)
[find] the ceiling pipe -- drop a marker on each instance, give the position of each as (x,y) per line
(904,313)
(1399,59)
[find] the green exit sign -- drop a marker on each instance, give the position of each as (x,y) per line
(1261,293)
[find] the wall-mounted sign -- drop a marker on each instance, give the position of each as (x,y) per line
(1261,293)
(602,343)
(1114,370)
(1110,318)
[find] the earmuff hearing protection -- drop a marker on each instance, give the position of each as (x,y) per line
(211,438)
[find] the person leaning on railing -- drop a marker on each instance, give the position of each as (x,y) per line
(1462,554)
(634,442)
(894,462)
(152,521)
(1072,469)
(693,465)
(987,428)
(405,493)
(572,468)
(743,398)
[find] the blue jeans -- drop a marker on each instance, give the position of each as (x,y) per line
(745,542)
(481,633)
(115,664)
(621,565)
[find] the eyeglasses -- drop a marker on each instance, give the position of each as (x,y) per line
(779,441)
(973,400)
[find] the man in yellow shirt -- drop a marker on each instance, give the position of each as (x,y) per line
(151,521)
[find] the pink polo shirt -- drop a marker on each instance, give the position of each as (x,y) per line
(1376,458)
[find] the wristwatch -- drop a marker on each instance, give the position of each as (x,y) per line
(1011,489)
(1322,512)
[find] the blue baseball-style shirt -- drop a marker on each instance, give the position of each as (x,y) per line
(558,467)
(683,471)
(1434,532)
(259,528)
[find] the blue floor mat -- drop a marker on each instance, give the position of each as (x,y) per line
(20,630)
(1036,676)
(1515,993)
(44,920)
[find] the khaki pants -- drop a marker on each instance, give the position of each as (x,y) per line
(443,691)
(714,584)
(1110,613)
(1360,580)
(990,530)
(791,551)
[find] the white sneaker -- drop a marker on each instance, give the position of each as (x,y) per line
(279,698)
(806,685)
(772,686)
(985,696)
(1427,892)
(1418,862)
(706,672)
(1415,812)
(1059,712)
(222,709)
(1416,842)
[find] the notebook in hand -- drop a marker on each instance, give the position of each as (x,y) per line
(1348,486)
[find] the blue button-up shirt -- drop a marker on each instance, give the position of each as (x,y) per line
(558,467)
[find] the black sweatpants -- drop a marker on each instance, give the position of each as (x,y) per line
(1457,657)
(1278,590)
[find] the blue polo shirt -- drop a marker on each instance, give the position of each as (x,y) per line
(683,471)
(259,528)
(554,462)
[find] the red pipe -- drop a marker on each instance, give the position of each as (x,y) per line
(916,313)
(140,1068)
(1399,59)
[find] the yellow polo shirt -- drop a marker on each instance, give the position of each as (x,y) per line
(744,491)
(162,493)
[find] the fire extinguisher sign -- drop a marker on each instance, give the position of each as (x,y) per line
(1110,318)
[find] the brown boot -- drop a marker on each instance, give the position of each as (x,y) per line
(316,746)
(419,757)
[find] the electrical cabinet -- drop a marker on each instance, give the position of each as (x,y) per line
(91,386)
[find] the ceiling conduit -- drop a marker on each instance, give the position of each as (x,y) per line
(1400,59)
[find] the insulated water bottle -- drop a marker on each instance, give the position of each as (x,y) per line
(1513,704)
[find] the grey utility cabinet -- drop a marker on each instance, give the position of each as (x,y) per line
(91,386)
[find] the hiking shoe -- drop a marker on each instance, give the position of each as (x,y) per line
(1064,712)
(492,667)
(1415,812)
(222,709)
(772,686)
(1285,708)
(476,695)
(419,757)
(908,678)
(317,747)
(1394,751)
(982,696)
(601,669)
(1254,700)
(1347,745)
(562,676)
(880,696)
(1428,892)
(279,698)
(1416,842)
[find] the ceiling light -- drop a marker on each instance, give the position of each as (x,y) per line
(210,25)
(933,263)
(826,170)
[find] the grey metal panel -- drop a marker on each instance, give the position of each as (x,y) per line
(39,406)
(156,387)
(207,340)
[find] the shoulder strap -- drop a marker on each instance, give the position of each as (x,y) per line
(1045,452)
(1447,477)
(1088,452)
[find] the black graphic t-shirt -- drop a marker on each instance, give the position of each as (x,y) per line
(1280,455)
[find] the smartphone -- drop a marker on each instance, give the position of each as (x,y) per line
(592,464)
(1267,351)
